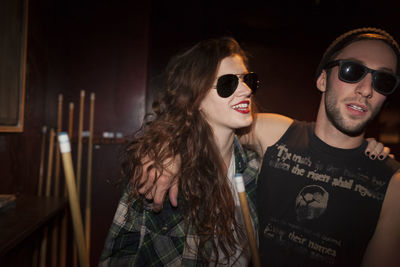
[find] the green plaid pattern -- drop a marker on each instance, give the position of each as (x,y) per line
(145,238)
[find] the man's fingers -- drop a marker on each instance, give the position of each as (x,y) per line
(149,194)
(147,179)
(376,149)
(371,145)
(159,196)
(163,184)
(173,195)
(159,192)
(384,153)
(155,184)
(377,152)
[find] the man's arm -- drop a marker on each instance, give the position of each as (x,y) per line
(384,247)
(268,128)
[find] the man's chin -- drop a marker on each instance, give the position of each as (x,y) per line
(352,130)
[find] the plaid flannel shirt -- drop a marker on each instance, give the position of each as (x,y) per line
(160,239)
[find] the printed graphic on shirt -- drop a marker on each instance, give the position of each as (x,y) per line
(311,202)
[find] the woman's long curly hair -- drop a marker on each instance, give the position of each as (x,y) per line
(180,129)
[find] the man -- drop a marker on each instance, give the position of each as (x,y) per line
(321,202)
(319,199)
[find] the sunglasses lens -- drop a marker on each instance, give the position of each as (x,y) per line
(384,82)
(351,72)
(227,84)
(251,79)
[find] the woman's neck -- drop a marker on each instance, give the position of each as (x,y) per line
(224,143)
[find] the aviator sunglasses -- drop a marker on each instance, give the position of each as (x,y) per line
(383,82)
(227,84)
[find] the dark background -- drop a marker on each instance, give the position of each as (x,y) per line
(118,48)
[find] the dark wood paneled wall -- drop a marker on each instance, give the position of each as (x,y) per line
(96,46)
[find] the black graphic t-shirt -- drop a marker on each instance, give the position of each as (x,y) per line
(318,205)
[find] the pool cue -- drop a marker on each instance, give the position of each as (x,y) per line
(79,158)
(55,232)
(65,149)
(255,257)
(70,128)
(41,166)
(89,174)
(43,247)
(80,137)
(35,257)
(70,119)
(63,240)
(50,163)
(59,126)
(64,223)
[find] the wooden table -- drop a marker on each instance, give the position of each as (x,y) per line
(20,223)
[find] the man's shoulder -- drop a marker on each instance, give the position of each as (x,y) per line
(297,132)
(392,164)
(269,128)
(386,169)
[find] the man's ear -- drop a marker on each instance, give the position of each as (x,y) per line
(322,81)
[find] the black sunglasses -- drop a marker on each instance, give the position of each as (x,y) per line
(227,84)
(383,82)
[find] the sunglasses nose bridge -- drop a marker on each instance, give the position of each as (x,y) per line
(365,84)
(244,88)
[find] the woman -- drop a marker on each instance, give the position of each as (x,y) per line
(207,98)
